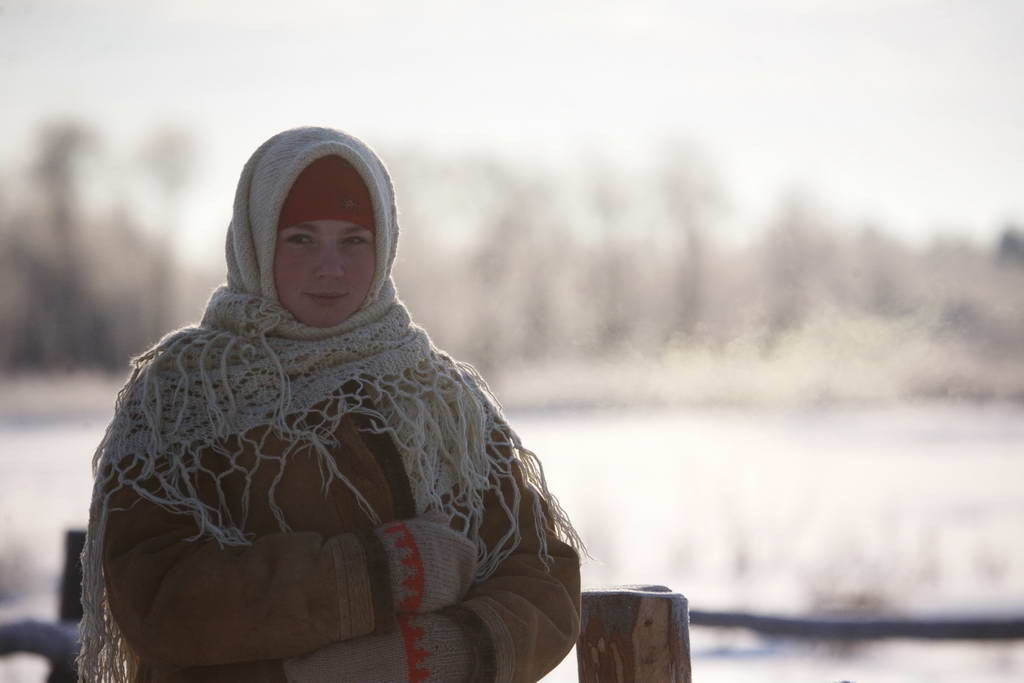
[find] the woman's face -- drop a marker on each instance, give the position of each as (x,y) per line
(323,270)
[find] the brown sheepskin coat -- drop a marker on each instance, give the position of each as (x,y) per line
(194,611)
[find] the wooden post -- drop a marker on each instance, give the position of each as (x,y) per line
(634,634)
(71,585)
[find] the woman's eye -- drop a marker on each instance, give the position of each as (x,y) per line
(356,239)
(299,238)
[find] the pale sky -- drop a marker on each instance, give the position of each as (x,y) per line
(909,113)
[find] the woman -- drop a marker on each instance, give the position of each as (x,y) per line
(302,487)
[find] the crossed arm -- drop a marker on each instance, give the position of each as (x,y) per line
(317,600)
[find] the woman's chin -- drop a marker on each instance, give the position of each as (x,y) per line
(319,311)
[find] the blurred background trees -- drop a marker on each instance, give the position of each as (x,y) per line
(511,267)
(81,286)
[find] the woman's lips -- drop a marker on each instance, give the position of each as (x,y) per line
(326,298)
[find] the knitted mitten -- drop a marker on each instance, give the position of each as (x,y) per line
(428,648)
(431,564)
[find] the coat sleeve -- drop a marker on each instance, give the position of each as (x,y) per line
(529,609)
(182,602)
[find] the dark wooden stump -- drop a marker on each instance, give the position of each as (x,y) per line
(634,634)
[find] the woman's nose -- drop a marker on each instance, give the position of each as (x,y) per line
(330,263)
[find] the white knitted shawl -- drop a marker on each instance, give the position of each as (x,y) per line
(250,364)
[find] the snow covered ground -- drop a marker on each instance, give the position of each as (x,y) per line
(900,508)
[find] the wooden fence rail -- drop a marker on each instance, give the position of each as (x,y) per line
(853,628)
(57,642)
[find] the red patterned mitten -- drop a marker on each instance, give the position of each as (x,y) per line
(431,564)
(428,648)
